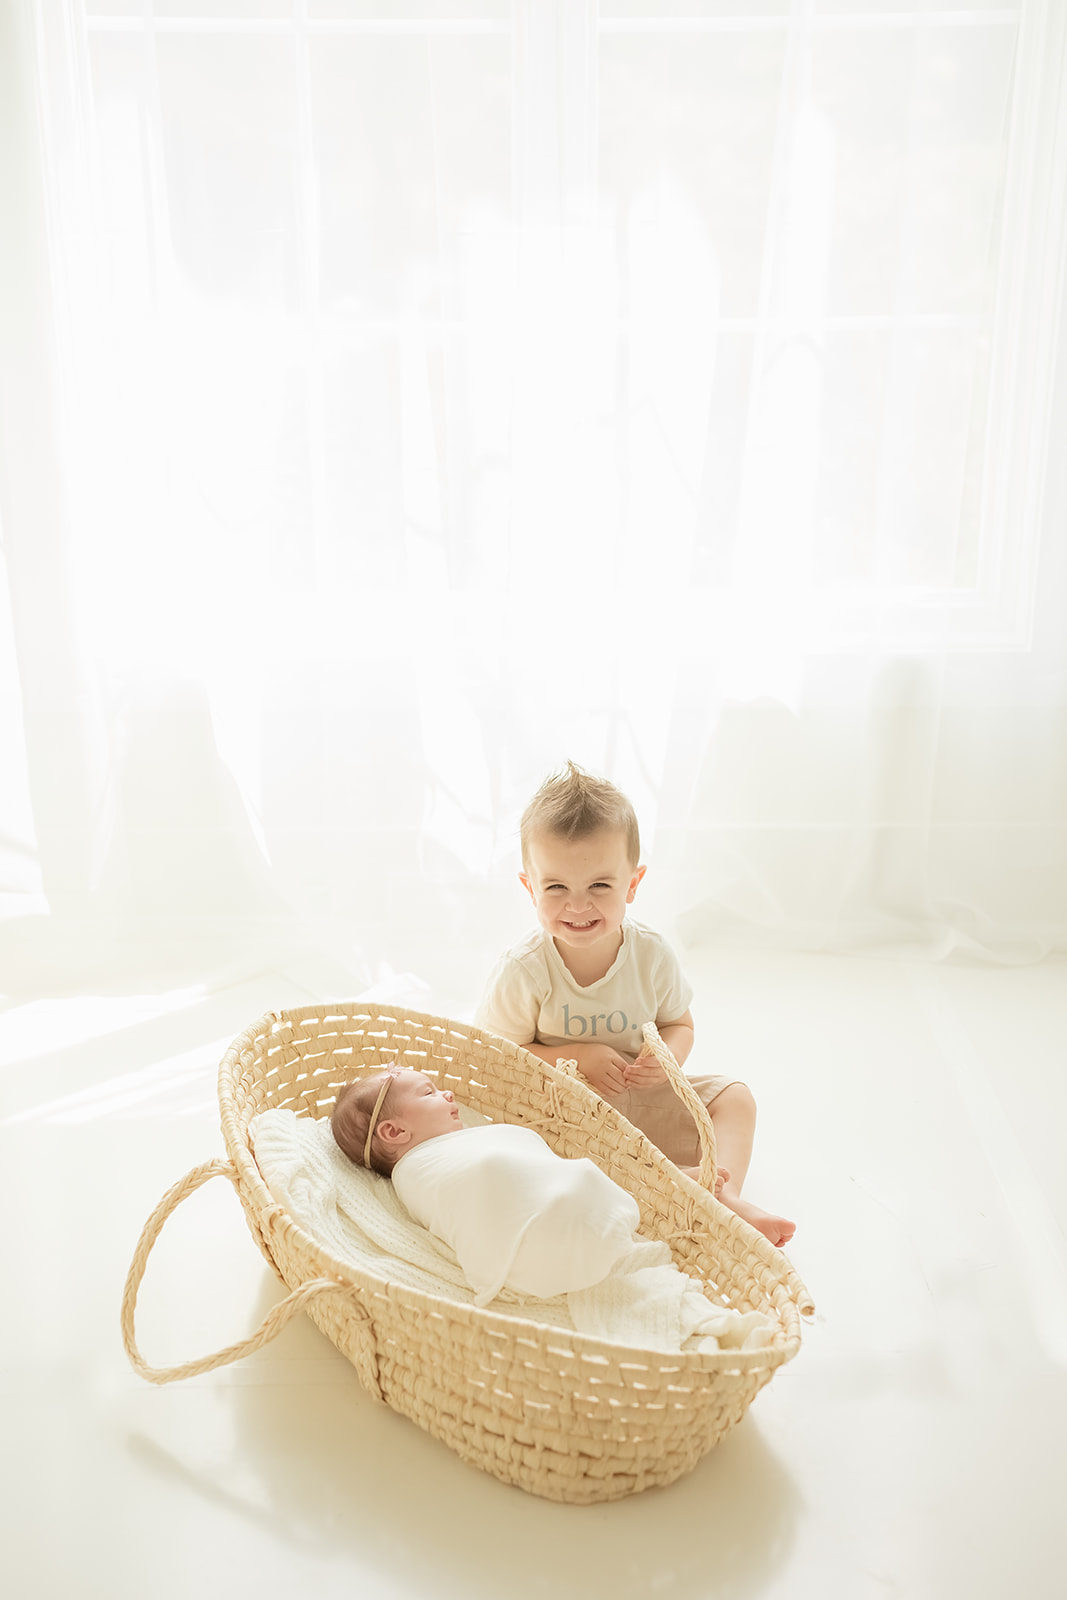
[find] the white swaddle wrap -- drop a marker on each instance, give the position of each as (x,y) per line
(645,1301)
(515,1213)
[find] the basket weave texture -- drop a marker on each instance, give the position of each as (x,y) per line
(556,1413)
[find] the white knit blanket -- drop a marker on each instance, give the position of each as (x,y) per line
(645,1301)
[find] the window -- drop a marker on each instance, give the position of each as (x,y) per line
(747,301)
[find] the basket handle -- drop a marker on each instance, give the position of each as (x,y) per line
(272,1323)
(690,1099)
(686,1094)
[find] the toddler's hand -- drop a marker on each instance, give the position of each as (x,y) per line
(644,1073)
(602,1068)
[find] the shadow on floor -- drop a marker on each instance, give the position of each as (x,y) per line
(334,1475)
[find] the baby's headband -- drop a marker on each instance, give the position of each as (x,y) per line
(382,1092)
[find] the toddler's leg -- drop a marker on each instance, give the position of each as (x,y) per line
(662,1118)
(733,1116)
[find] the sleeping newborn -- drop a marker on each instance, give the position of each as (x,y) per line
(512,1211)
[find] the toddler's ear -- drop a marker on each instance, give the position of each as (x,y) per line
(634,881)
(524,880)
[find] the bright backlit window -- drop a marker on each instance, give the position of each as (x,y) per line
(738,301)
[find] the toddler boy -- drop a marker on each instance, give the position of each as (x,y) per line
(583,985)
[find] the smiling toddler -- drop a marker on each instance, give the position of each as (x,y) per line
(585,983)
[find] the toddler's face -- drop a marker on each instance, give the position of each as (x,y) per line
(423,1108)
(581,887)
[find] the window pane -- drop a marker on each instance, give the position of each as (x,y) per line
(223,10)
(409,10)
(687,127)
(864,8)
(228,109)
(412,153)
(915,119)
(729,9)
(901,447)
(113,8)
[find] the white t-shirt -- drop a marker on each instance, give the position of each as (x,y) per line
(531,995)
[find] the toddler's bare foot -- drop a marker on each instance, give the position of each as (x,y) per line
(779,1230)
(721,1177)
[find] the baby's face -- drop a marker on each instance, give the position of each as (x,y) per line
(581,887)
(423,1108)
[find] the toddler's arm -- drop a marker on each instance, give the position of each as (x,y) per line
(608,1072)
(602,1067)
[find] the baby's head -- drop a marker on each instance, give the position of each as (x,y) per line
(378,1118)
(572,804)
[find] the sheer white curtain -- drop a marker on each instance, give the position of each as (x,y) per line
(399,398)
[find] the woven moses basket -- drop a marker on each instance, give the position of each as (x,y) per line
(559,1414)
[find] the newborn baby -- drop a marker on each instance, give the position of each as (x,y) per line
(511,1210)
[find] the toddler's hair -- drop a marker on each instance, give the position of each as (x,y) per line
(352,1111)
(572,804)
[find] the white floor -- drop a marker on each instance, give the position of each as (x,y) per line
(912,1119)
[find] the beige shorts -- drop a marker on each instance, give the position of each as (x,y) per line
(664,1120)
